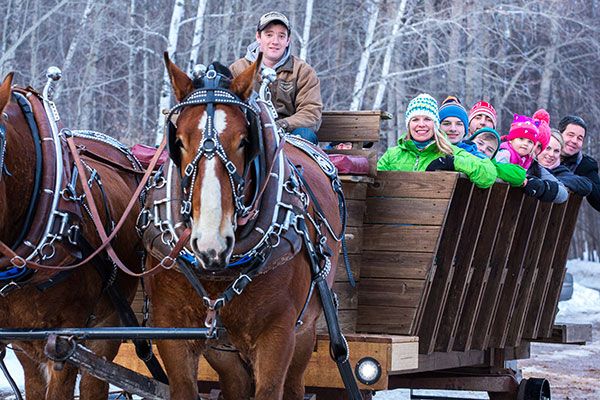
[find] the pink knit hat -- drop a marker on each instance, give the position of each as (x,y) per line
(522,127)
(483,107)
(542,117)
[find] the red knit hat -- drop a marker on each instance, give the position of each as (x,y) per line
(542,117)
(483,107)
(522,127)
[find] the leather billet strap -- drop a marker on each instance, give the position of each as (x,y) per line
(20,262)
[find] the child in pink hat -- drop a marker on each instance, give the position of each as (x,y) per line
(517,147)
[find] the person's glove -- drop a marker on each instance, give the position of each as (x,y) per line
(441,164)
(535,187)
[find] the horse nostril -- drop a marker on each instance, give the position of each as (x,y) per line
(229,242)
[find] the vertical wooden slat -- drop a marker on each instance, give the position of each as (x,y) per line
(558,266)
(514,273)
(498,260)
(481,267)
(549,247)
(462,269)
(440,278)
(529,278)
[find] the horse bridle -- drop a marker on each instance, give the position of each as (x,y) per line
(213,90)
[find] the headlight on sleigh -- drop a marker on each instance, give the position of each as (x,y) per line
(368,370)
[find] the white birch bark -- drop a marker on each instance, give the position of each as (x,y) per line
(387,59)
(198,28)
(131,71)
(306,30)
(165,90)
(145,75)
(89,7)
(549,65)
(358,92)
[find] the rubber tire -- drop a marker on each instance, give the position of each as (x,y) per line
(534,389)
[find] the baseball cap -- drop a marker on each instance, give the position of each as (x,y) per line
(269,17)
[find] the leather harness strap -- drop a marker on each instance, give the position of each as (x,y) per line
(20,262)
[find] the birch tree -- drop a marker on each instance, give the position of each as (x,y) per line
(165,90)
(306,31)
(359,81)
(197,38)
(389,50)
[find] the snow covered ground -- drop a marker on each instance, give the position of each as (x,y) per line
(573,371)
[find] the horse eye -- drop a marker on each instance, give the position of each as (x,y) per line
(179,143)
(244,142)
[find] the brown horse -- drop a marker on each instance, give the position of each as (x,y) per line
(79,298)
(262,322)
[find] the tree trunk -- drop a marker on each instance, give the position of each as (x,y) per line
(306,31)
(387,59)
(165,90)
(66,66)
(198,28)
(359,83)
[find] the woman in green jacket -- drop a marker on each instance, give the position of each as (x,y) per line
(425,147)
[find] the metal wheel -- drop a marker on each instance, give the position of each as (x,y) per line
(534,389)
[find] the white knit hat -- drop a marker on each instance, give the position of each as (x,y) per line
(423,104)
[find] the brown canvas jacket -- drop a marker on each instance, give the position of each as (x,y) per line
(296,93)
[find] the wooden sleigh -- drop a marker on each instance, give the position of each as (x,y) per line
(451,280)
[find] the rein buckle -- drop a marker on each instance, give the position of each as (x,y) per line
(18,261)
(240,280)
(168,262)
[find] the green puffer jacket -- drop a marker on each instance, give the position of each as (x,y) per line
(406,157)
(512,174)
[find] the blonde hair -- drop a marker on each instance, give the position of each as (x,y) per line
(557,135)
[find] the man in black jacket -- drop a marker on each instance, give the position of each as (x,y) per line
(573,130)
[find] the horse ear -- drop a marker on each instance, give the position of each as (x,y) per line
(181,83)
(243,83)
(5,90)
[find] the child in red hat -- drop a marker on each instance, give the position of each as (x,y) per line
(518,145)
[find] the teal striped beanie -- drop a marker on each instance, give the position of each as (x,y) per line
(423,104)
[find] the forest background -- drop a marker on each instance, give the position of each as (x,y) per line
(369,54)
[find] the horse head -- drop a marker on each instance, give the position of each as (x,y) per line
(210,142)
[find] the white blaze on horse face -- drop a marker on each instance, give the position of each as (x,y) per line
(212,226)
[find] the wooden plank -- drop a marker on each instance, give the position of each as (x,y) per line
(558,266)
(347,295)
(395,265)
(356,212)
(530,274)
(502,245)
(381,319)
(391,292)
(398,352)
(514,272)
(346,318)
(355,267)
(441,273)
(354,239)
(409,238)
(481,267)
(462,269)
(427,185)
(354,190)
(569,334)
(347,126)
(392,210)
(544,270)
